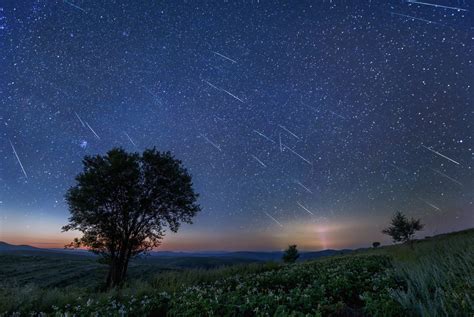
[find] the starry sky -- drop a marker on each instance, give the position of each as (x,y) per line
(307,122)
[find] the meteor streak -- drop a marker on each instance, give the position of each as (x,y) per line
(80,120)
(130,139)
(279,137)
(259,161)
(75,6)
(430,204)
(301,157)
(443,156)
(264,136)
(90,128)
(211,143)
(273,219)
(436,5)
(306,209)
(225,57)
(18,159)
(213,86)
(284,128)
(232,95)
(337,115)
(447,176)
(303,186)
(221,89)
(415,18)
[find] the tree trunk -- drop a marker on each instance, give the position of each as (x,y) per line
(118,269)
(125,266)
(114,277)
(108,282)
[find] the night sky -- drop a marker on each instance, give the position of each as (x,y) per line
(307,122)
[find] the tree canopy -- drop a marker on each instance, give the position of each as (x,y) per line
(401,228)
(122,202)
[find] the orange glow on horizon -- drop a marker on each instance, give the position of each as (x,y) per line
(308,236)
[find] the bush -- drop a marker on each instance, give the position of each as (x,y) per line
(291,254)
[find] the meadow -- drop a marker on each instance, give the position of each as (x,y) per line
(435,278)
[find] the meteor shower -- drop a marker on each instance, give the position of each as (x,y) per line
(236,158)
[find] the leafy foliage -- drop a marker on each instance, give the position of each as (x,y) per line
(291,254)
(401,229)
(123,201)
(376,244)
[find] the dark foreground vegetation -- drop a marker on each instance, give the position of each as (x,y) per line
(435,278)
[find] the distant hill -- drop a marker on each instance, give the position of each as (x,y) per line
(222,255)
(250,255)
(11,247)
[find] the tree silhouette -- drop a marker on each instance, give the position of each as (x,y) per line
(376,244)
(401,229)
(122,202)
(291,254)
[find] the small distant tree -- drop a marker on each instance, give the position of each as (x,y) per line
(402,229)
(376,244)
(122,202)
(291,254)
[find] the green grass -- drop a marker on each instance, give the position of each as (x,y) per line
(48,269)
(436,278)
(33,298)
(439,275)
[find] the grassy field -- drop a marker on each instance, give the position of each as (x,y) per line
(436,278)
(55,269)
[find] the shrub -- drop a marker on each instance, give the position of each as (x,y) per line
(291,254)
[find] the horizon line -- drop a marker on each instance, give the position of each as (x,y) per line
(177,251)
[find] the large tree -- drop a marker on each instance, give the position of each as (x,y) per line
(122,202)
(402,229)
